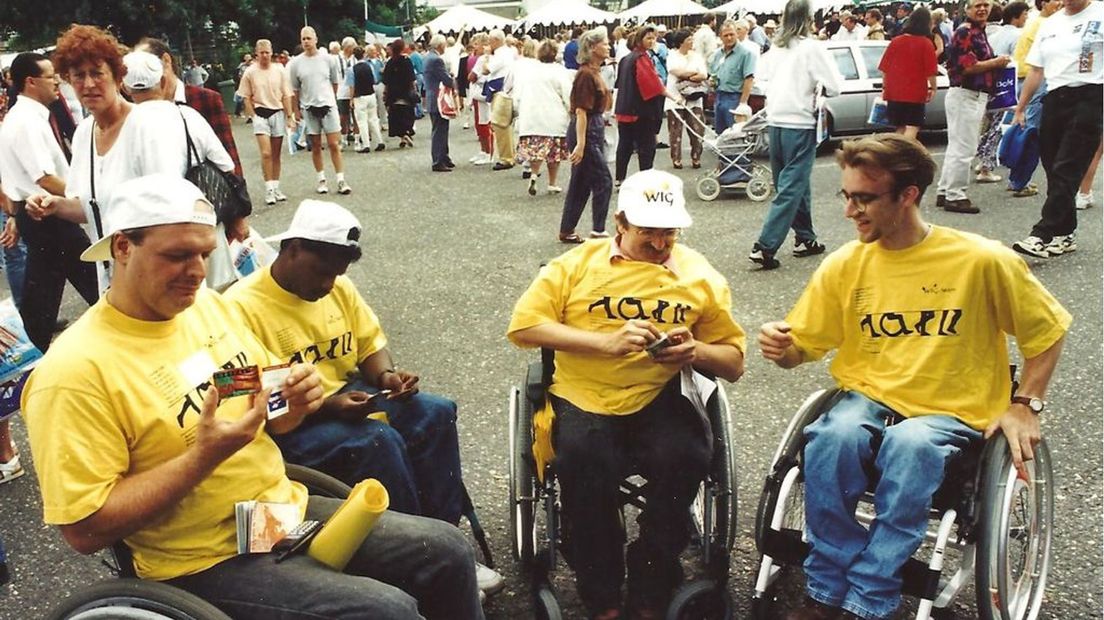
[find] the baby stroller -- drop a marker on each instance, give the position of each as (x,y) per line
(736,169)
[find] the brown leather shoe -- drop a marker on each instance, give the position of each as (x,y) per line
(961,206)
(813,610)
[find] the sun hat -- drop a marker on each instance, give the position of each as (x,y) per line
(653,199)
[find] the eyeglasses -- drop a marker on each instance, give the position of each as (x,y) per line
(667,234)
(78,76)
(861,200)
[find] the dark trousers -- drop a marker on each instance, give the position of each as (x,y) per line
(1069,135)
(589,178)
(54,247)
(668,443)
(438,139)
(638,137)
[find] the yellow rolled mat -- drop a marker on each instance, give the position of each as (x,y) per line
(350,525)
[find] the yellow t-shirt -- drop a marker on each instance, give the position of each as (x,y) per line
(335,333)
(587,289)
(116,396)
(1023,45)
(923,329)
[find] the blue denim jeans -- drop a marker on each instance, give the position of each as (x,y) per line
(847,565)
(590,178)
(1020,174)
(14,262)
(723,105)
(416,457)
(792,152)
(407,568)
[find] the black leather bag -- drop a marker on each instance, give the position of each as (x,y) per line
(226,190)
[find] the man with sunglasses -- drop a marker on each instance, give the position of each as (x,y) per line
(919,317)
(615,404)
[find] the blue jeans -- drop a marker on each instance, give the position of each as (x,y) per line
(407,568)
(14,262)
(792,152)
(847,565)
(589,178)
(723,105)
(416,457)
(1020,174)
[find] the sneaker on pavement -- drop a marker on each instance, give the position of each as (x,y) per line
(270,196)
(1062,244)
(343,188)
(961,206)
(554,189)
(280,197)
(1084,201)
(482,160)
(764,258)
(808,248)
(11,470)
(1025,192)
(1032,246)
(986,176)
(322,187)
(489,580)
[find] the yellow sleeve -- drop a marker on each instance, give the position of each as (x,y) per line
(543,302)
(1023,45)
(363,321)
(816,320)
(1024,307)
(717,325)
(79,448)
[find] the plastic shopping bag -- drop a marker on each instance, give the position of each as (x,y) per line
(252,254)
(878,114)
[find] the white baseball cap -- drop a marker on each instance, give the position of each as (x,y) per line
(154,200)
(327,222)
(653,199)
(143,71)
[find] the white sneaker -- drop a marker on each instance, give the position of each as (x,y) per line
(343,188)
(280,197)
(322,187)
(12,469)
(475,158)
(1062,244)
(1084,201)
(1032,246)
(554,189)
(483,160)
(488,579)
(270,196)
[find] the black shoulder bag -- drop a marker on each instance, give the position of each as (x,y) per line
(226,190)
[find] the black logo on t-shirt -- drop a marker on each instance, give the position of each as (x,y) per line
(911,323)
(331,349)
(193,401)
(631,308)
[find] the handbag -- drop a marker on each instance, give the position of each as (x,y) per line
(226,190)
(446,102)
(502,110)
(1004,90)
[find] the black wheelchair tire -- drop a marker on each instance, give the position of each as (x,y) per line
(523,484)
(701,599)
(545,605)
(98,601)
(992,572)
(318,483)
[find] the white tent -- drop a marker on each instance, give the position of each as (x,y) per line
(662,8)
(771,7)
(462,18)
(566,13)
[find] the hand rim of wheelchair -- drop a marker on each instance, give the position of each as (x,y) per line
(689,598)
(134,599)
(522,483)
(1007,576)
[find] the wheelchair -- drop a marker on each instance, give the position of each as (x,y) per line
(534,499)
(132,598)
(999,521)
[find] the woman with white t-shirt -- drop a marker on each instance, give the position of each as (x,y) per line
(542,98)
(1069,52)
(688,76)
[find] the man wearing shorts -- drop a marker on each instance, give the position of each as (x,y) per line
(266,93)
(314,80)
(918,316)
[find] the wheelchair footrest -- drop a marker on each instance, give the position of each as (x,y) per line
(919,580)
(786,546)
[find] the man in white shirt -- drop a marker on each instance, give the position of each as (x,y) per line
(851,30)
(344,59)
(195,75)
(314,79)
(497,68)
(705,37)
(31,161)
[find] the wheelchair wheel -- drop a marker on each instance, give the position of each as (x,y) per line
(759,186)
(720,487)
(1016,522)
(135,598)
(545,604)
(523,481)
(708,188)
(700,600)
(318,483)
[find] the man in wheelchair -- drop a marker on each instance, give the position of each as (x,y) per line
(918,316)
(132,443)
(607,308)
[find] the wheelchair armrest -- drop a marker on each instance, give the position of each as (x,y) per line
(317,483)
(536,386)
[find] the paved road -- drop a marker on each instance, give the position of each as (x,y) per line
(446,255)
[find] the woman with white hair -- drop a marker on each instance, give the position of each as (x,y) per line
(793,68)
(586,137)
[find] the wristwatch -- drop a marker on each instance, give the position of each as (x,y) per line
(1036,405)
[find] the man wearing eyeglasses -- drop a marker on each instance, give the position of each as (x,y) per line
(918,316)
(616,407)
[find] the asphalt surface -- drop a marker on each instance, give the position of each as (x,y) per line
(446,256)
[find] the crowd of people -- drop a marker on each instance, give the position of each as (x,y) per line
(94,156)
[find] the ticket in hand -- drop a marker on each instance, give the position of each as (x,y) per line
(237,382)
(273,377)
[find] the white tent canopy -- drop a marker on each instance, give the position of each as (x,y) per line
(662,8)
(462,18)
(771,7)
(566,13)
